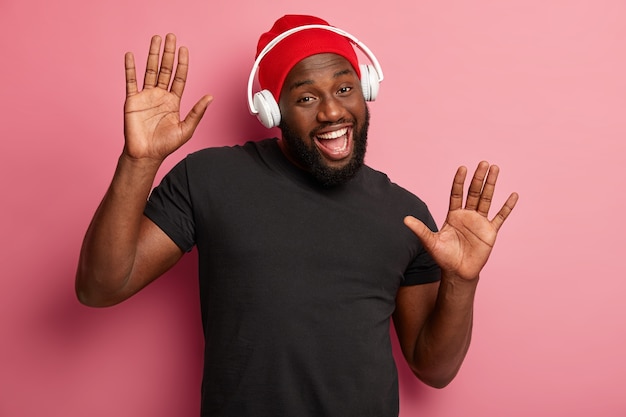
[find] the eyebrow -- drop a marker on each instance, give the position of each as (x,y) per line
(337,74)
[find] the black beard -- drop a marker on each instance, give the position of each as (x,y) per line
(310,159)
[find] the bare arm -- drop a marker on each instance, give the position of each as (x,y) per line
(434,321)
(123,250)
(434,326)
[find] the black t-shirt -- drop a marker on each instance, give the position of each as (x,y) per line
(297,281)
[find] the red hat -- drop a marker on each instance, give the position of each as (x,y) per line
(277,63)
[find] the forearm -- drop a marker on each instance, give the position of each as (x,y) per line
(445,338)
(110,244)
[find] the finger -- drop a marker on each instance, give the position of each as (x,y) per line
(195,115)
(167,61)
(152,66)
(486,196)
(456,195)
(504,212)
(180,78)
(131,75)
(425,235)
(476,186)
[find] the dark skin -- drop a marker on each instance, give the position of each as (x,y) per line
(322,94)
(435,344)
(124,251)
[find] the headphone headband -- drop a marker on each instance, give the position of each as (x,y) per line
(276,40)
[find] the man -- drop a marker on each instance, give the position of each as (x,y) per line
(304,256)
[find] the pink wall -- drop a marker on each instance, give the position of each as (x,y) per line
(537,86)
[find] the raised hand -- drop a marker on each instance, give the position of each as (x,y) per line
(152,125)
(464,243)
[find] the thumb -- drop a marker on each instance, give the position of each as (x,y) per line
(421,230)
(195,115)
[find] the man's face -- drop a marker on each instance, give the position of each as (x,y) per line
(324,118)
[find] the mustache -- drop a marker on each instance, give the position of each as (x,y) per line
(341,121)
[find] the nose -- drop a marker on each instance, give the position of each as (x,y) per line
(330,110)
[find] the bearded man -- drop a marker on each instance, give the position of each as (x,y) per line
(304,252)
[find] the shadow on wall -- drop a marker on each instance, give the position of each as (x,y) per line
(85,356)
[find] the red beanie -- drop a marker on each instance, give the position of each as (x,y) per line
(277,63)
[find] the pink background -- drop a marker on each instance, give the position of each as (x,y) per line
(537,86)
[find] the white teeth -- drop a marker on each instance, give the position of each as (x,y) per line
(334,135)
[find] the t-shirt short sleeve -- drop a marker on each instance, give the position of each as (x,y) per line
(169,207)
(423,269)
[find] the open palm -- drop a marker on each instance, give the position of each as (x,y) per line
(152,125)
(464,243)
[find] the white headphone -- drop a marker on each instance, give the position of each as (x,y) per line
(265,106)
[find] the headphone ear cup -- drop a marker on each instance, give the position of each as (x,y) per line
(267,108)
(369,82)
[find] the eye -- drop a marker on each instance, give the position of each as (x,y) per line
(344,90)
(305,99)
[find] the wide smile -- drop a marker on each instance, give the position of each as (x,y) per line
(335,145)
